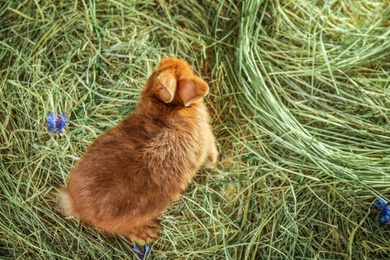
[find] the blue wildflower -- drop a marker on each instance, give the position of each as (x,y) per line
(56,124)
(141,255)
(385,211)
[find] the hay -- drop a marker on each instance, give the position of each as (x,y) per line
(300,100)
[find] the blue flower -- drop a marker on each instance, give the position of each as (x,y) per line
(385,211)
(141,255)
(56,124)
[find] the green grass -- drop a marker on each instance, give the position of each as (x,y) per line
(300,100)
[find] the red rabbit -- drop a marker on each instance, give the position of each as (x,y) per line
(131,173)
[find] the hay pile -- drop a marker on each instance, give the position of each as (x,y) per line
(300,98)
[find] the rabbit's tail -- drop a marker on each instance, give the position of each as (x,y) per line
(65,202)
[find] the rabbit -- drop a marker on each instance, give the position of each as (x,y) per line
(133,171)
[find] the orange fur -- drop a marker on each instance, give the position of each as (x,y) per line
(131,173)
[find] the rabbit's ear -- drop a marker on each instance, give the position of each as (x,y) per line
(167,86)
(192,89)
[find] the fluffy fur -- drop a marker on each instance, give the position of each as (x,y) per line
(131,173)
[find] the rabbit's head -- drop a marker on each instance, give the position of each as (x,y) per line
(174,83)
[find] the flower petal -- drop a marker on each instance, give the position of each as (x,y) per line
(147,249)
(381,205)
(51,118)
(64,119)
